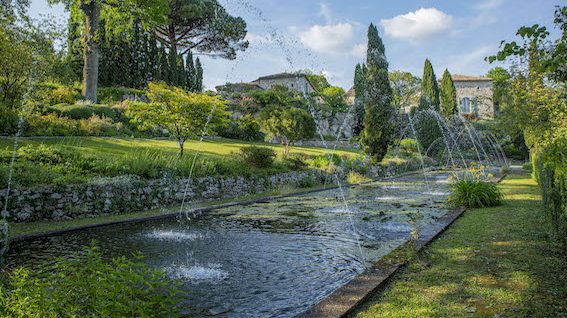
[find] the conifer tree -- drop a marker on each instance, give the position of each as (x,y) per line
(190,72)
(379,113)
(359,92)
(173,68)
(429,88)
(163,66)
(448,95)
(198,76)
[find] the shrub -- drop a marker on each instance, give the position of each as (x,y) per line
(408,145)
(48,94)
(84,285)
(527,166)
(244,128)
(84,111)
(473,193)
(323,162)
(295,161)
(51,125)
(357,178)
(99,126)
(8,121)
(259,157)
(112,95)
(42,154)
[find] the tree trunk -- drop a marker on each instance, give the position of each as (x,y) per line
(91,49)
(181,147)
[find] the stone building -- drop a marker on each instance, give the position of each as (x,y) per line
(475,96)
(294,81)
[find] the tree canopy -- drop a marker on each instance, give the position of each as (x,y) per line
(429,88)
(183,114)
(204,27)
(405,88)
(379,113)
(448,95)
(288,124)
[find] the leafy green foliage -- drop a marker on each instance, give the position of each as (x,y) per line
(244,128)
(16,56)
(259,157)
(184,115)
(405,88)
(409,145)
(473,193)
(359,91)
(429,88)
(378,109)
(334,99)
(120,288)
(448,96)
(203,26)
(289,125)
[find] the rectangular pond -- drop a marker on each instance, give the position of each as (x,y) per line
(270,259)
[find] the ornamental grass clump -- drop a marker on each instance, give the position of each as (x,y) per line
(474,191)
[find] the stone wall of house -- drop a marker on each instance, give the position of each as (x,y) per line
(299,83)
(481,91)
(129,194)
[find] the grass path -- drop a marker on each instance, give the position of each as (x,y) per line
(493,262)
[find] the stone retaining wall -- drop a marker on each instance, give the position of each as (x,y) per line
(129,193)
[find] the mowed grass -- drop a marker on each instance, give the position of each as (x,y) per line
(493,262)
(119,146)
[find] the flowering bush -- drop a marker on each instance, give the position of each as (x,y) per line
(473,190)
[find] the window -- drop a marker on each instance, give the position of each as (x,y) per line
(466,105)
(469,105)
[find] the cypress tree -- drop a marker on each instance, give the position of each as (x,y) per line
(181,72)
(153,59)
(190,73)
(429,88)
(173,68)
(379,112)
(163,66)
(448,95)
(198,76)
(359,92)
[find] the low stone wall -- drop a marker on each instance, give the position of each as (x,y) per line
(129,193)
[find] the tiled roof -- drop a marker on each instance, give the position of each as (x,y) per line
(465,78)
(280,76)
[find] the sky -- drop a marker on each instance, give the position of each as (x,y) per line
(329,36)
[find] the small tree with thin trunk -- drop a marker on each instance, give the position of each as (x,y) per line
(183,114)
(288,124)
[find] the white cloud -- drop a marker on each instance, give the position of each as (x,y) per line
(417,26)
(325,11)
(359,50)
(330,39)
(471,63)
(490,4)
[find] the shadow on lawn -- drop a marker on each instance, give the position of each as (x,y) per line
(495,262)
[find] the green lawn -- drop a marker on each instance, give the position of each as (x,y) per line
(72,160)
(119,146)
(493,262)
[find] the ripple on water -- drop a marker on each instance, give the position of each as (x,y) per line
(175,236)
(212,273)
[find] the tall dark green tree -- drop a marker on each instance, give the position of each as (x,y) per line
(379,113)
(359,92)
(448,95)
(198,76)
(164,70)
(429,88)
(190,73)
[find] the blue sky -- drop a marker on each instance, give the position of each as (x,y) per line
(328,36)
